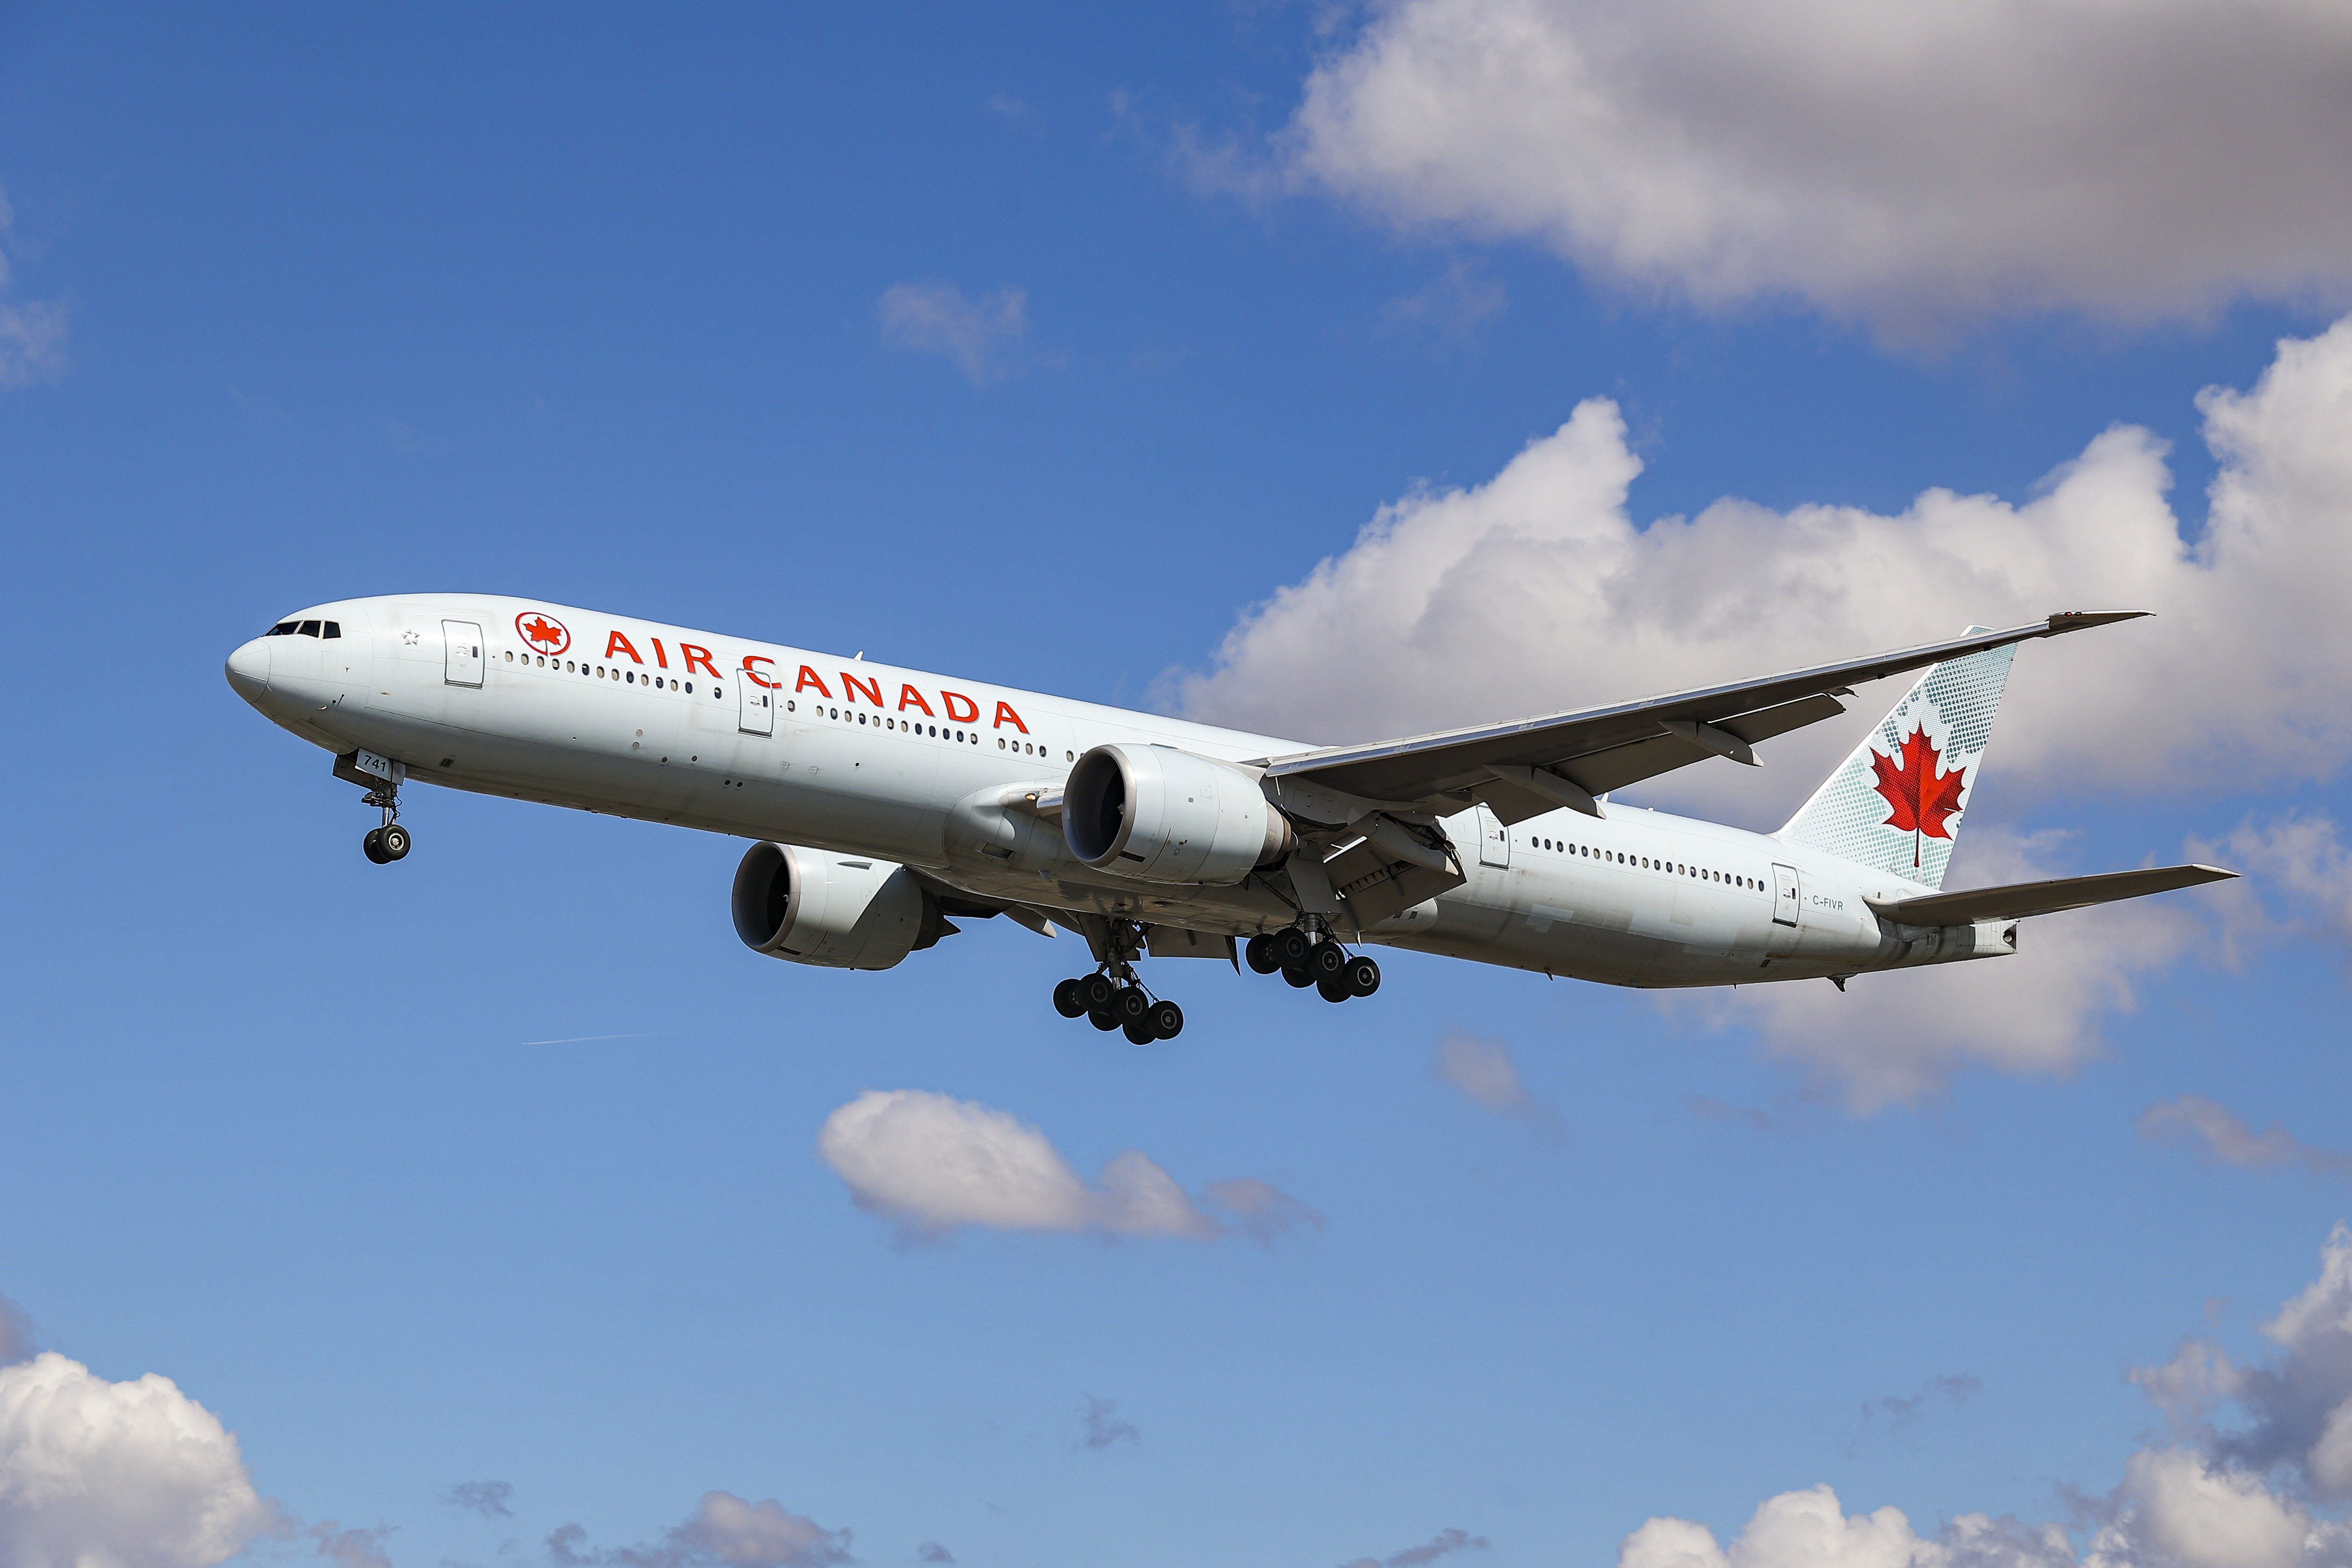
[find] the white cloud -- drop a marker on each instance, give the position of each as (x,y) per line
(1899,1037)
(116,1475)
(2301,858)
(1482,1068)
(1538,591)
(936,317)
(2208,1502)
(1901,165)
(933,1163)
(2219,1136)
(723,1532)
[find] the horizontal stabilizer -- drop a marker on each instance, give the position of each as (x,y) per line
(2021,898)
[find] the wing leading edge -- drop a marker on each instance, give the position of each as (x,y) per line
(1525,769)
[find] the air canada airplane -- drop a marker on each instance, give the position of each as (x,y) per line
(885,803)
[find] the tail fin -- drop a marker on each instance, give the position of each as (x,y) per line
(1896,803)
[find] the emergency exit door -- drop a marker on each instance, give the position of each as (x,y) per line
(462,661)
(1784,895)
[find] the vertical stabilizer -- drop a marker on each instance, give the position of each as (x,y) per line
(1896,803)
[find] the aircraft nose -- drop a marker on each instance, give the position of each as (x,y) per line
(249,670)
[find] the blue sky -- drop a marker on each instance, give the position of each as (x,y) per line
(1042,345)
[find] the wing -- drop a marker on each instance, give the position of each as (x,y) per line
(1525,769)
(2019,900)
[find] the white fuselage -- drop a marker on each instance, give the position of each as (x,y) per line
(759,740)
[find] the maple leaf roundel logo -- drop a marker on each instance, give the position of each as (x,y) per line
(544,633)
(1922,797)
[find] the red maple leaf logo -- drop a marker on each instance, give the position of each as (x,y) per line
(544,633)
(1923,798)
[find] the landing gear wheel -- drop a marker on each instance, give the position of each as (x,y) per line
(391,838)
(1295,974)
(1334,989)
(1095,991)
(1130,1006)
(373,844)
(1260,955)
(1067,1000)
(1103,1020)
(1291,947)
(1362,975)
(1327,960)
(1140,1033)
(1167,1021)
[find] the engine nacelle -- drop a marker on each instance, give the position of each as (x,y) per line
(840,912)
(1166,815)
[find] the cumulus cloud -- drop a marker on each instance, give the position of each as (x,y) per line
(2219,1496)
(937,318)
(1445,1543)
(96,1473)
(1259,1209)
(1898,1039)
(1539,591)
(2220,1137)
(724,1532)
(1902,165)
(933,1163)
(489,1498)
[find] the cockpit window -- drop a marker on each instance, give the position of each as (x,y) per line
(333,629)
(282,629)
(308,628)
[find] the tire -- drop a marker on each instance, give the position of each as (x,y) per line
(1067,1000)
(1140,1033)
(1167,1021)
(1260,955)
(394,841)
(1291,947)
(1130,1006)
(1095,991)
(1334,989)
(1297,976)
(373,844)
(1363,976)
(1103,1020)
(1327,962)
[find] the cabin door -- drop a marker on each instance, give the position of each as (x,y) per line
(462,661)
(756,710)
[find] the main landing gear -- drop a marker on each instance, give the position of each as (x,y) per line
(389,843)
(1304,958)
(1113,998)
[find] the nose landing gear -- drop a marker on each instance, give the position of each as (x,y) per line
(390,842)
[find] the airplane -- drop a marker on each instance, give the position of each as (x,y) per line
(885,803)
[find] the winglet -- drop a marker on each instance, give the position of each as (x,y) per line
(2075,620)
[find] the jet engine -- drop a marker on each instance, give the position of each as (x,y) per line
(1165,815)
(839,912)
